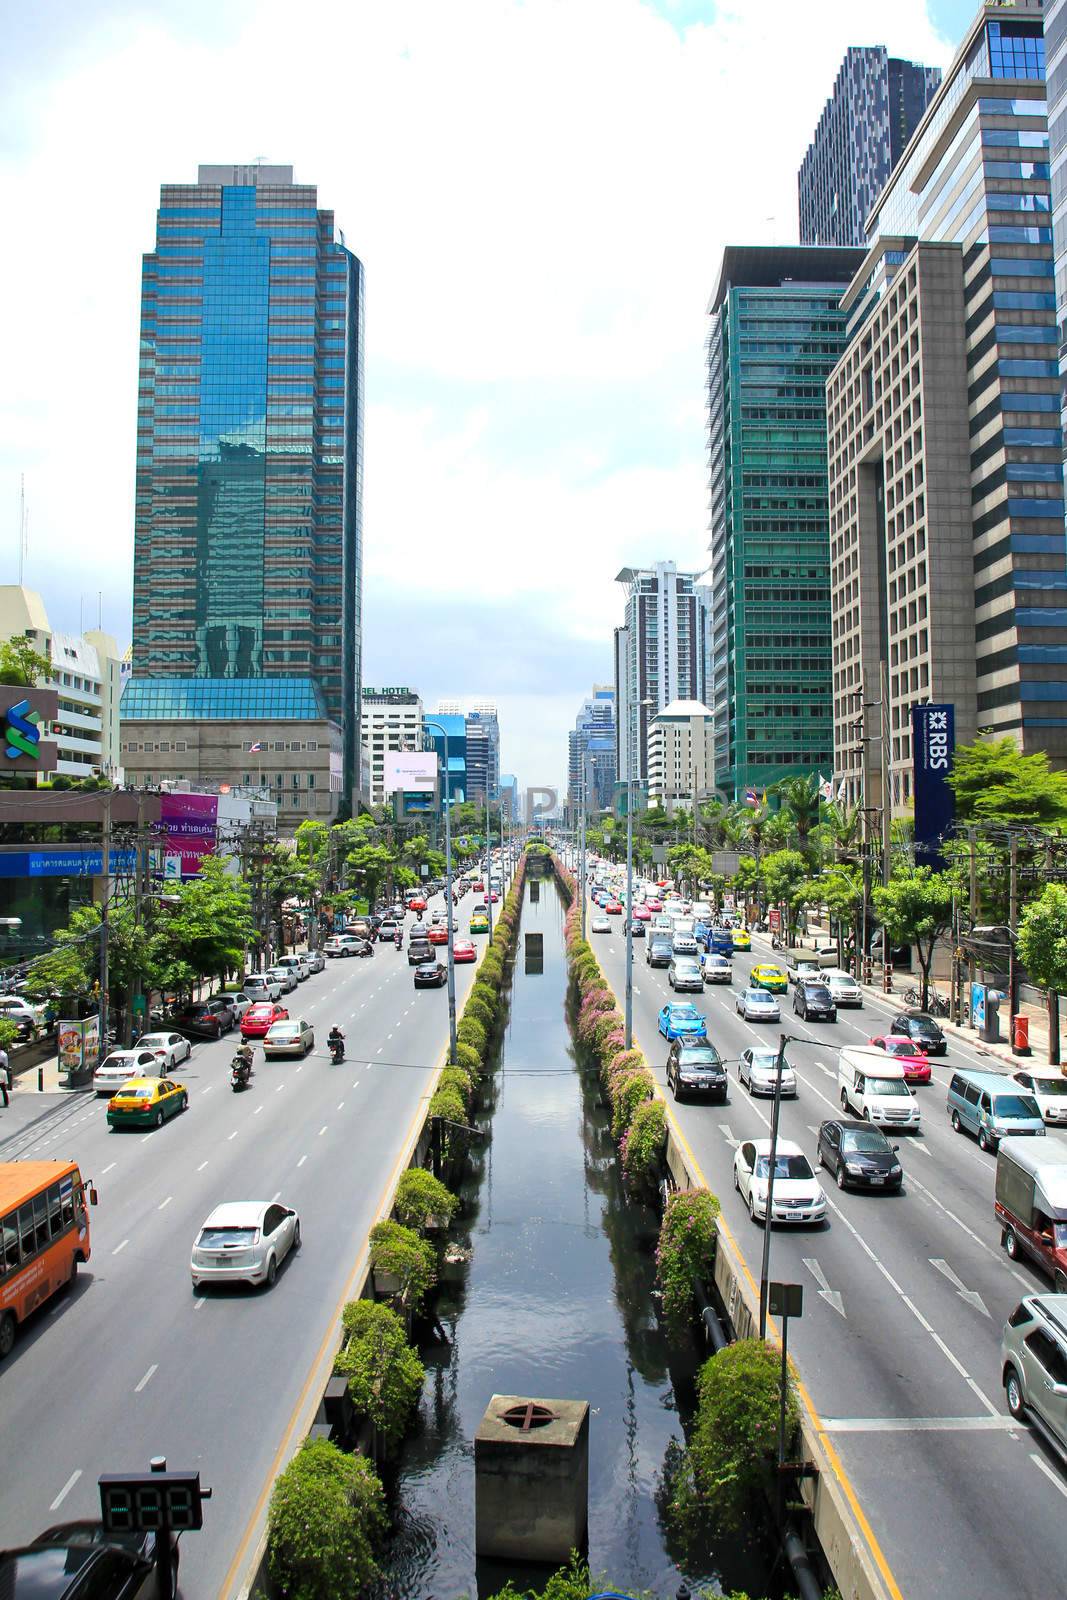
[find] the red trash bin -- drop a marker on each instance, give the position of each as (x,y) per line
(1020,1035)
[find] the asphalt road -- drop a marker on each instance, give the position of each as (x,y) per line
(130,1363)
(905,1298)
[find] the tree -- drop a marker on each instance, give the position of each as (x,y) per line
(994,782)
(841,892)
(916,908)
(21,664)
(1042,946)
(207,932)
(800,799)
(783,872)
(327,1519)
(689,862)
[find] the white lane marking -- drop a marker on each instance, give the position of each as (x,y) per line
(279,1089)
(1036,1459)
(119,1247)
(147,1377)
(208,1089)
(257,1111)
(300,1163)
(300,1068)
(165,1203)
(831,1296)
(232,1135)
(108,1169)
(920,1425)
(201,1167)
(921,1149)
(970,1295)
(275,1197)
(67,1487)
(340,1105)
(379,1050)
(322,1130)
(728,1135)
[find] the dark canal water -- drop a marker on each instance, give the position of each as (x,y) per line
(554,1301)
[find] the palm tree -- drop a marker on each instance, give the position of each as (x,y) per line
(800,800)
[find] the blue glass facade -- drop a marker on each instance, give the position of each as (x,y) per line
(455,788)
(248,531)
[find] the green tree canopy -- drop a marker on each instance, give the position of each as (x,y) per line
(916,908)
(21,664)
(994,782)
(1042,945)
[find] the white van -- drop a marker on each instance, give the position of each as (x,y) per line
(874,1088)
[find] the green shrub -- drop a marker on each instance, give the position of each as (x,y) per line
(642,1145)
(607,1023)
(384,1373)
(472,1032)
(448,1103)
(491,969)
(733,1441)
(327,1518)
(627,1094)
(455,1078)
(420,1196)
(686,1250)
(486,994)
(480,1012)
(398,1250)
(9,1032)
(468,1058)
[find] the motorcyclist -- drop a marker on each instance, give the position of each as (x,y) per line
(398,938)
(243,1058)
(336,1040)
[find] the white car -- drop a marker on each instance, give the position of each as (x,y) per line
(169,1047)
(336,946)
(600,924)
(297,965)
(293,1038)
(122,1065)
(757,1005)
(798,1195)
(717,969)
(261,986)
(238,999)
(1049,1089)
(757,1069)
(285,976)
(18,1008)
(244,1242)
(316,960)
(844,990)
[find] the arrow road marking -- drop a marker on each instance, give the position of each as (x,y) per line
(831,1296)
(727,1133)
(970,1295)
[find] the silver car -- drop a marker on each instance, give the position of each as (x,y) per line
(286,976)
(1033,1355)
(684,974)
(169,1047)
(757,1005)
(261,986)
(844,990)
(244,1241)
(316,960)
(122,1065)
(293,1038)
(757,1069)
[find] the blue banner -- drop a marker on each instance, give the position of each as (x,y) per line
(71,863)
(933,743)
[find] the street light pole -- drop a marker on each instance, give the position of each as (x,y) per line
(629,914)
(489,867)
(446,801)
(765,1267)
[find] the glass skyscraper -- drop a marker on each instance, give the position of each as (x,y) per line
(248,536)
(776,332)
(1056,69)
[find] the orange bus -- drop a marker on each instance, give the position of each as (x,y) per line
(44,1234)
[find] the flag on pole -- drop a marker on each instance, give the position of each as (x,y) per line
(256,748)
(842,789)
(751,798)
(826,788)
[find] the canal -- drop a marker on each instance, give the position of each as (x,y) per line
(548,1292)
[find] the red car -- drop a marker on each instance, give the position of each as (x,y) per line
(258,1018)
(614,908)
(478,887)
(654,905)
(910,1055)
(494,897)
(464,950)
(642,914)
(437,934)
(416,905)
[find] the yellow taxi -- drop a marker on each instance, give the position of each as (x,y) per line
(479,922)
(771,978)
(146,1103)
(742,939)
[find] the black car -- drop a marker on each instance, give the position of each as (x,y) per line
(916,1025)
(93,1534)
(694,1067)
(207,1019)
(813,1000)
(658,952)
(431,975)
(858,1154)
(420,952)
(637,928)
(75,1571)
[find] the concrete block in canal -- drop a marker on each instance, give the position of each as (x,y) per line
(531,1478)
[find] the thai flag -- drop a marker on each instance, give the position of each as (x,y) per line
(256,748)
(751,797)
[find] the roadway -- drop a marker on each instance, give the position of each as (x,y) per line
(905,1300)
(130,1363)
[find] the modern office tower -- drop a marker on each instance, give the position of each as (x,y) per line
(681,755)
(875,108)
(591,753)
(776,333)
(248,537)
(483,752)
(1056,78)
(660,655)
(948,565)
(391,721)
(454,724)
(509,796)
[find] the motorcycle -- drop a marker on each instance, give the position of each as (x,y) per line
(240,1075)
(337,1050)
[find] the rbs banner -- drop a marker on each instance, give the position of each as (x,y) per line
(933,741)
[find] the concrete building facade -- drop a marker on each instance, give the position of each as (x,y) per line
(391,721)
(681,755)
(660,655)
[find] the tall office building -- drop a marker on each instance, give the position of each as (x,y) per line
(948,563)
(776,332)
(1056,77)
(454,723)
(681,755)
(660,655)
(591,752)
(874,109)
(391,721)
(509,796)
(483,752)
(248,536)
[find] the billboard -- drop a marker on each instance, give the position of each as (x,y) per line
(189,824)
(412,770)
(24,715)
(933,741)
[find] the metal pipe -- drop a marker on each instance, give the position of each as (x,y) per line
(798,1558)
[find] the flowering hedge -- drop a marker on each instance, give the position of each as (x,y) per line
(685,1250)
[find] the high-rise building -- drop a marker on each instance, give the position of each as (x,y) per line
(591,753)
(1056,77)
(509,795)
(483,752)
(660,655)
(948,562)
(248,536)
(776,332)
(681,755)
(392,721)
(454,723)
(874,109)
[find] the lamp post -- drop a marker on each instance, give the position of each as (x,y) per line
(629,1026)
(446,801)
(489,867)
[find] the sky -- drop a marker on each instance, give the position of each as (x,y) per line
(539,191)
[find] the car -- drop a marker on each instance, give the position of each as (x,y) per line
(170,1048)
(464,950)
(435,918)
(844,989)
(684,944)
(658,952)
(684,973)
(756,1005)
(478,886)
(16,1008)
(356,946)
(244,1242)
(637,929)
(206,1019)
(431,975)
(920,1029)
(146,1103)
(741,939)
(294,1037)
(858,1155)
(418,904)
(494,897)
(122,1065)
(804,967)
(643,913)
(716,968)
(479,922)
(764,975)
(419,930)
(93,1534)
(797,1194)
(614,908)
(239,999)
(297,965)
(1033,1359)
(388,926)
(654,903)
(599,923)
(438,934)
(419,952)
(694,1067)
(285,976)
(813,999)
(257,986)
(757,1070)
(59,1570)
(680,1019)
(260,1018)
(316,960)
(1049,1089)
(336,946)
(910,1055)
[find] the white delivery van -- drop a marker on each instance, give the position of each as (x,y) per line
(873,1087)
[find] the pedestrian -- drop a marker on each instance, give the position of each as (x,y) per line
(5,1076)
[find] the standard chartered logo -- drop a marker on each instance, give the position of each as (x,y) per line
(21,731)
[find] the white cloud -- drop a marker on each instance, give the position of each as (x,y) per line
(539,192)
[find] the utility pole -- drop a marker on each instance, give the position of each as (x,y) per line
(776,1112)
(489,867)
(1013,923)
(105,928)
(629,914)
(887,795)
(972,897)
(139,875)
